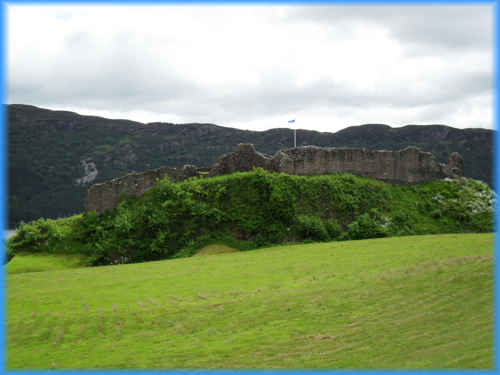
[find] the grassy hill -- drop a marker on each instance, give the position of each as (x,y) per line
(401,302)
(47,148)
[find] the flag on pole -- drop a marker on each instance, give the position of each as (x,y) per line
(291,121)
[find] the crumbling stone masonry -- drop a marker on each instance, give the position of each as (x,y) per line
(106,196)
(408,166)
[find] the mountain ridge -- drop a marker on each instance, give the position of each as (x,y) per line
(49,150)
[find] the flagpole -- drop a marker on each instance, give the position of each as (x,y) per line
(294,133)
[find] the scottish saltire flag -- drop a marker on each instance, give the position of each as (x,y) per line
(291,121)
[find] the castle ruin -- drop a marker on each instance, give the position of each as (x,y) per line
(407,166)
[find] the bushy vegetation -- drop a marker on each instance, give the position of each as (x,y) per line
(259,208)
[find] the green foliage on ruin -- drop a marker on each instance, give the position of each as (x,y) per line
(259,208)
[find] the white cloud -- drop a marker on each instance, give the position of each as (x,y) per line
(255,67)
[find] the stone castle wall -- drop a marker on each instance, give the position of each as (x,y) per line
(106,196)
(408,166)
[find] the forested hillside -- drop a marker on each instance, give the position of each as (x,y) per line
(49,151)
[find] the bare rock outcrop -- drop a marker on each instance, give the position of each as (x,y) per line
(89,172)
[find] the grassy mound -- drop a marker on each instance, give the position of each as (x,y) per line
(402,302)
(256,209)
(40,262)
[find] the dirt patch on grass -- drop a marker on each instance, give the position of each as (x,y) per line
(216,249)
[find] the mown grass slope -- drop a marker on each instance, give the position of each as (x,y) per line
(401,302)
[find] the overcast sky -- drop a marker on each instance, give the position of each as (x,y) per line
(256,67)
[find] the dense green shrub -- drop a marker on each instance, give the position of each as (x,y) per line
(333,228)
(32,236)
(402,222)
(366,226)
(311,227)
(40,235)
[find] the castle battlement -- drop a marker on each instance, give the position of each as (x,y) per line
(407,166)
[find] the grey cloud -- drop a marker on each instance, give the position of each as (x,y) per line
(280,96)
(124,83)
(121,73)
(125,73)
(458,109)
(448,27)
(476,83)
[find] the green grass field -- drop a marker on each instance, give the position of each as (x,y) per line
(400,302)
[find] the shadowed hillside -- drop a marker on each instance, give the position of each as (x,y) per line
(54,156)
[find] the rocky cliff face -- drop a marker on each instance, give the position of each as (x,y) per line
(90,172)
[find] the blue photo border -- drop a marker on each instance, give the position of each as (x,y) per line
(4,175)
(3,182)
